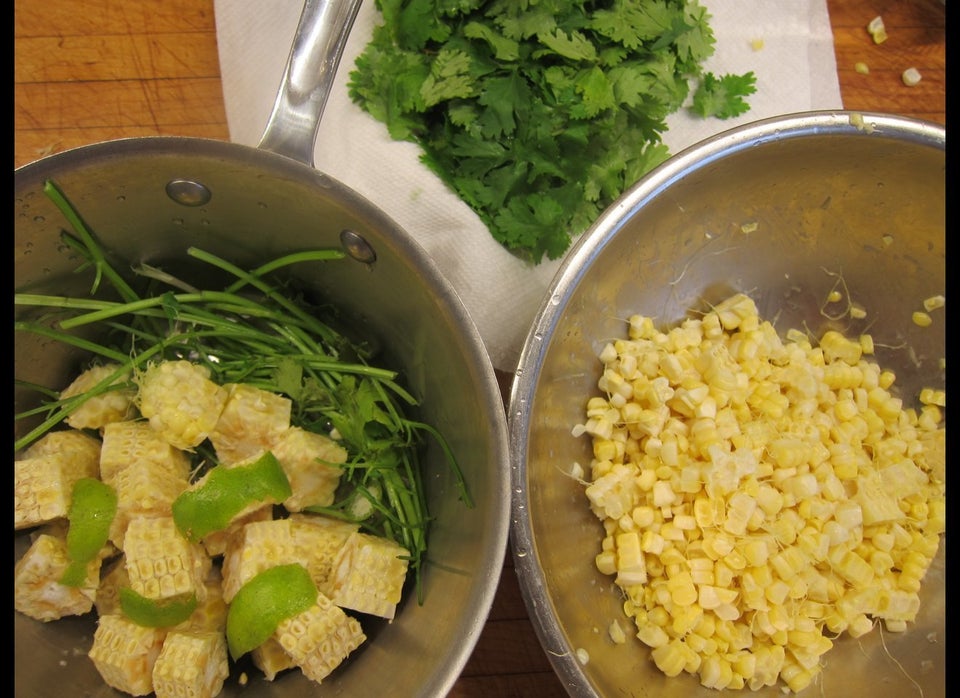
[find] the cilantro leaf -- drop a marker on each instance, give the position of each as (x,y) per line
(540,113)
(723,97)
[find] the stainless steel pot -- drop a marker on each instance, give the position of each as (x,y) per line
(857,197)
(148,199)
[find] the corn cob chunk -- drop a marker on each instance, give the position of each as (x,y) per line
(320,638)
(43,486)
(111,406)
(37,591)
(310,462)
(135,440)
(257,546)
(79,443)
(125,653)
(113,578)
(368,575)
(191,665)
(271,659)
(181,401)
(210,615)
(216,543)
(143,491)
(310,540)
(161,563)
(318,540)
(251,421)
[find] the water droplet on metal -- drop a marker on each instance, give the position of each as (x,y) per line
(187,192)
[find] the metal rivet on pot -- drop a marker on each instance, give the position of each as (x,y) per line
(357,247)
(187,192)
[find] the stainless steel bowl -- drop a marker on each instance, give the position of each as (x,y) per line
(824,189)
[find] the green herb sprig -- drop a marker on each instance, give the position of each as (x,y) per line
(261,331)
(538,114)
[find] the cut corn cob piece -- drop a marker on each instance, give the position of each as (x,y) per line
(136,441)
(113,578)
(271,659)
(216,542)
(125,653)
(318,540)
(161,563)
(251,421)
(257,546)
(320,638)
(80,444)
(43,485)
(308,539)
(144,491)
(210,615)
(368,575)
(114,405)
(191,665)
(37,591)
(181,401)
(311,463)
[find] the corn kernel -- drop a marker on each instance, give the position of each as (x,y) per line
(911,76)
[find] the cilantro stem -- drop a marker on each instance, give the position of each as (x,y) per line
(296,258)
(96,255)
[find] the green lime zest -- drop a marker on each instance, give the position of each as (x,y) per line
(264,602)
(156,613)
(93,505)
(226,492)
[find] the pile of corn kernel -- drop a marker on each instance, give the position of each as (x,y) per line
(759,495)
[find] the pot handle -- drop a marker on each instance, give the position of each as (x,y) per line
(311,68)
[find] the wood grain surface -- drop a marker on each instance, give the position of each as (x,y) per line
(93,70)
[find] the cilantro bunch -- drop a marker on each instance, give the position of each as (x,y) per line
(540,113)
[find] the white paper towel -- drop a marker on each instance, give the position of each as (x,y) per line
(795,69)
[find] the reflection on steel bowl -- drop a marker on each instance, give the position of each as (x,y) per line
(777,210)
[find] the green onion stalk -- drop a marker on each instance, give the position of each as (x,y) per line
(261,331)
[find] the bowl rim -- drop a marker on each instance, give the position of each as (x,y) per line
(532,581)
